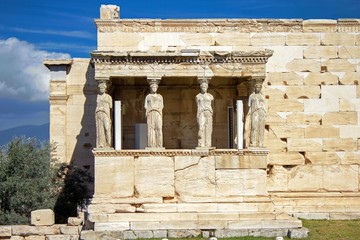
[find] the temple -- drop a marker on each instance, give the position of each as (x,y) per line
(285,124)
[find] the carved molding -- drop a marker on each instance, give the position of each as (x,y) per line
(179,152)
(210,57)
(222,25)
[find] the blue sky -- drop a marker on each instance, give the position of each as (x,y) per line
(33,30)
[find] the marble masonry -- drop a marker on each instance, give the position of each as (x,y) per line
(228,127)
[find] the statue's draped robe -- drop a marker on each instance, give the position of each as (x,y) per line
(204,118)
(103,120)
(154,106)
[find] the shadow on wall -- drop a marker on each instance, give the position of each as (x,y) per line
(78,175)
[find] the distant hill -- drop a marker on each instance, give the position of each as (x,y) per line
(40,132)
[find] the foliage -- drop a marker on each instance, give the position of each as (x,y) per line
(73,192)
(29,180)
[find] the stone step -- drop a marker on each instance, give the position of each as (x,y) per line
(197,224)
(183,207)
(192,233)
(150,217)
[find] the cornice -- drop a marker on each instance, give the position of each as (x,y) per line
(226,25)
(189,57)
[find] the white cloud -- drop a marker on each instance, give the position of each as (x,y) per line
(22,73)
(77,34)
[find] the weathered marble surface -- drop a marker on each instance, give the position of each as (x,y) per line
(204,115)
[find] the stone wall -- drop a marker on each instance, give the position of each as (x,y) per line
(54,232)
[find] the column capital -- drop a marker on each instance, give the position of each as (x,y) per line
(204,79)
(153,79)
(258,79)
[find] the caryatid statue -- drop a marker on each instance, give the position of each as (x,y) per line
(204,114)
(103,117)
(257,113)
(154,106)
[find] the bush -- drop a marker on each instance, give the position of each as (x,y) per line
(30,180)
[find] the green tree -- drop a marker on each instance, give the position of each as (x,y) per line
(30,180)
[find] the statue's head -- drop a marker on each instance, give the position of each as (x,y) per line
(102,87)
(153,87)
(257,87)
(204,86)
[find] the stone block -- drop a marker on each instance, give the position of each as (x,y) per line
(70,230)
(332,145)
(313,131)
(284,78)
(340,118)
(285,131)
(197,39)
(305,144)
(339,91)
(305,92)
(274,144)
(154,177)
(254,161)
(298,233)
(144,225)
(111,226)
(289,158)
(282,55)
(24,230)
(111,41)
(163,207)
(5,231)
(304,65)
(245,224)
(303,118)
(183,233)
(238,162)
(322,158)
(350,78)
(17,238)
(75,221)
(350,131)
(319,25)
(160,234)
(182,162)
(42,217)
(275,118)
(274,92)
(349,52)
(278,179)
(351,158)
(35,238)
(306,178)
(335,39)
(321,78)
(114,176)
(267,39)
(349,105)
(321,105)
(285,105)
(341,178)
(321,52)
(61,237)
(232,39)
(152,217)
(197,207)
(219,216)
(196,179)
(241,182)
(303,39)
(339,65)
